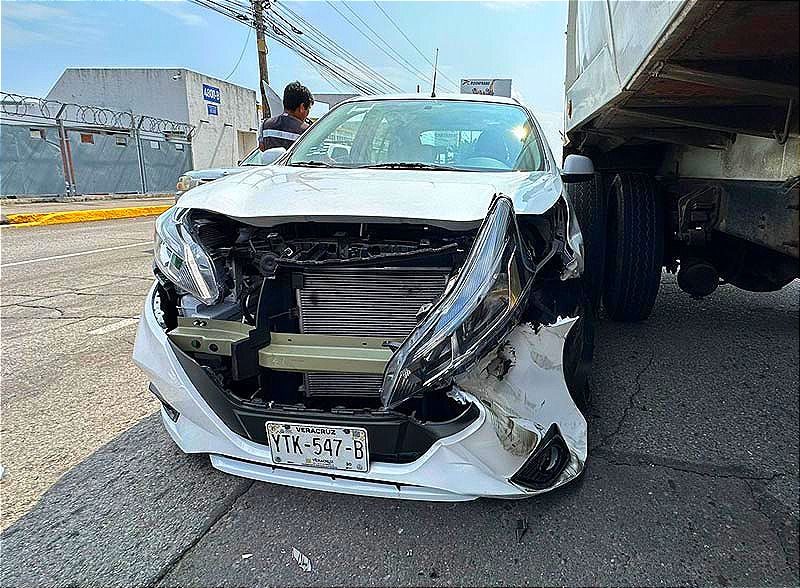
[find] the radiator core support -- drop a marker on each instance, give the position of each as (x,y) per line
(382,302)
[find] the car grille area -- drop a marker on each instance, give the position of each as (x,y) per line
(367,302)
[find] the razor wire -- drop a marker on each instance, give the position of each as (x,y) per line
(19,106)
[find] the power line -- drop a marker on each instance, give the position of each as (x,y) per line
(311,54)
(241,55)
(388,46)
(290,38)
(373,42)
(314,35)
(318,49)
(400,30)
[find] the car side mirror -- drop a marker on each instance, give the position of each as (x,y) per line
(577,168)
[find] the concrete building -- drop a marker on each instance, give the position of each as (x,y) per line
(224,115)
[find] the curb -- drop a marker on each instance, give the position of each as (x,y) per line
(22,199)
(79,216)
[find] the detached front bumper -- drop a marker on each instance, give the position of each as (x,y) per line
(518,391)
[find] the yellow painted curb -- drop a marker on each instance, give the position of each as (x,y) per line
(81,216)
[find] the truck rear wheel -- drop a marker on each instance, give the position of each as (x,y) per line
(634,248)
(587,199)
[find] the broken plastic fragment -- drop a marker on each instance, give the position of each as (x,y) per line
(301,560)
(521,527)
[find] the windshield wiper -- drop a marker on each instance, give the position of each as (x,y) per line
(409,165)
(310,164)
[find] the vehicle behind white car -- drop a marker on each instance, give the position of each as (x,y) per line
(201,176)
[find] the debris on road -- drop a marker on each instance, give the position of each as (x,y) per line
(301,560)
(521,528)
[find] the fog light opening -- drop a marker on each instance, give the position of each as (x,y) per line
(545,464)
(168,408)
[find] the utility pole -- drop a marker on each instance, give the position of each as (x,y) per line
(261,45)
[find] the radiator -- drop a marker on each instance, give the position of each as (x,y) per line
(368,302)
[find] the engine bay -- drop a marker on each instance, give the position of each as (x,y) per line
(375,281)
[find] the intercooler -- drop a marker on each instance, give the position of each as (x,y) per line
(370,302)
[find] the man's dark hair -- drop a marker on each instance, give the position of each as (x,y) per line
(296,94)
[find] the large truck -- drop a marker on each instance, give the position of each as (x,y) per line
(689,113)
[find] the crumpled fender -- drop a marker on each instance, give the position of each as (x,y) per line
(521,384)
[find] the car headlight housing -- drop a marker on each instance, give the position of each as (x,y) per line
(186,183)
(182,259)
(480,308)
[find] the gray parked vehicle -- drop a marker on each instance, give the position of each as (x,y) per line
(202,176)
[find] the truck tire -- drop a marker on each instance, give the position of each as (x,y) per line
(635,247)
(588,202)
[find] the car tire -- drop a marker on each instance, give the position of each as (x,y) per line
(588,202)
(578,354)
(634,248)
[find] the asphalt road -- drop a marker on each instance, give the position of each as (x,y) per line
(692,478)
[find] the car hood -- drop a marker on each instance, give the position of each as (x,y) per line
(214,173)
(273,195)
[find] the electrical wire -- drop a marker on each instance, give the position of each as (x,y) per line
(285,12)
(400,30)
(388,46)
(241,55)
(373,42)
(316,48)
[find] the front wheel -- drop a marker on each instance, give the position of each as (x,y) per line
(578,354)
(634,249)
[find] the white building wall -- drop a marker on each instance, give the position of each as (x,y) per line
(224,138)
(143,90)
(176,94)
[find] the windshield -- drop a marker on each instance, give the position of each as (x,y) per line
(428,134)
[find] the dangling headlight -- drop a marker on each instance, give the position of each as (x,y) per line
(182,260)
(475,313)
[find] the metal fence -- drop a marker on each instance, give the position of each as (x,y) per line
(54,148)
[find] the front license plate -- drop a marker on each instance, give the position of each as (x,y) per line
(319,446)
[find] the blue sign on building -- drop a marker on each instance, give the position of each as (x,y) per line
(211,93)
(212,109)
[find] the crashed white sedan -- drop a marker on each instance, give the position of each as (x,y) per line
(394,309)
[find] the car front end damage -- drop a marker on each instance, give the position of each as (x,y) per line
(440,361)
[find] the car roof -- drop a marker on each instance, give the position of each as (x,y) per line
(442,97)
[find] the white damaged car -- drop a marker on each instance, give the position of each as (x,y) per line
(395,308)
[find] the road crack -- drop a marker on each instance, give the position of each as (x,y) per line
(756,485)
(708,470)
(632,398)
(60,312)
(773,526)
(216,515)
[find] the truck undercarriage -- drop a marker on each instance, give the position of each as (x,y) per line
(702,139)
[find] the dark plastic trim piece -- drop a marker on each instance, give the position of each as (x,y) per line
(172,413)
(545,464)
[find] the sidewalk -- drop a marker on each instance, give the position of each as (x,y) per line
(19,212)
